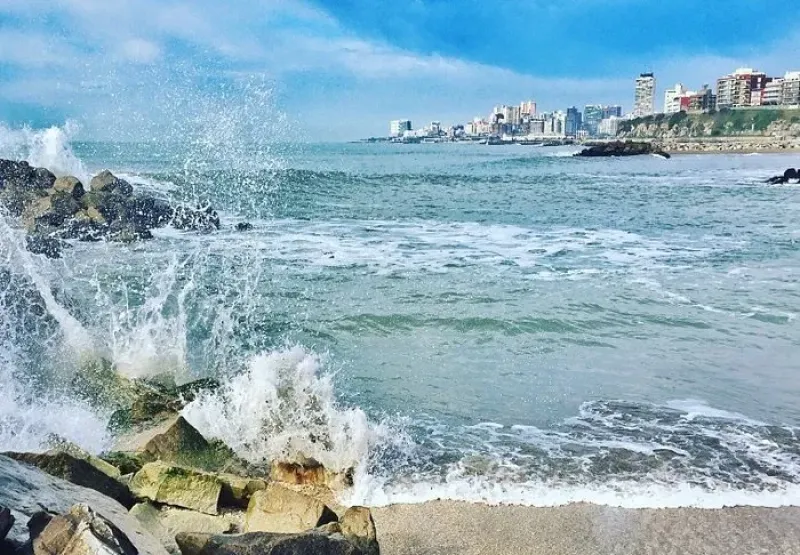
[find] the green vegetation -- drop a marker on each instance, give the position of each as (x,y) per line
(722,123)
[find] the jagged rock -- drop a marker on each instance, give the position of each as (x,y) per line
(107,182)
(310,472)
(788,175)
(620,148)
(78,471)
(56,444)
(177,486)
(28,491)
(166,522)
(42,244)
(195,219)
(82,531)
(281,510)
(237,490)
(244,226)
(358,526)
(6,522)
(310,543)
(21,174)
(69,185)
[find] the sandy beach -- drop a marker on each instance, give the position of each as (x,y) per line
(453,528)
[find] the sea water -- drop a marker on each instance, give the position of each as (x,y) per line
(486,323)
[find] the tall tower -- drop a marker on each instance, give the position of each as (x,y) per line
(645,96)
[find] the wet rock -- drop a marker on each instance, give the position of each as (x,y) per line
(82,531)
(358,526)
(311,543)
(185,218)
(28,491)
(177,486)
(107,182)
(790,174)
(310,472)
(6,522)
(281,510)
(620,148)
(69,185)
(165,523)
(148,212)
(77,471)
(244,226)
(51,247)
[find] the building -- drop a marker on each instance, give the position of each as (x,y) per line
(609,127)
(645,96)
(736,90)
(703,100)
(790,89)
(573,123)
(399,127)
(592,116)
(673,98)
(528,108)
(613,110)
(772,94)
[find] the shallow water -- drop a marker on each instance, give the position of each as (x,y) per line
(503,323)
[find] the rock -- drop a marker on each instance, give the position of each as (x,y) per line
(310,473)
(195,219)
(281,510)
(107,182)
(6,522)
(42,244)
(237,490)
(63,206)
(56,443)
(148,212)
(619,148)
(21,174)
(27,491)
(82,532)
(358,526)
(244,226)
(311,543)
(177,486)
(166,522)
(69,185)
(78,471)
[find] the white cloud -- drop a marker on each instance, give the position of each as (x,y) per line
(140,51)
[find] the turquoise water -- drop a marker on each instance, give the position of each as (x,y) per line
(515,324)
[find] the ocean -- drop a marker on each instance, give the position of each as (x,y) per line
(498,324)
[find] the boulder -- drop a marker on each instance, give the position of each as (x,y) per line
(22,175)
(78,471)
(50,247)
(244,226)
(185,218)
(82,531)
(237,490)
(620,148)
(177,486)
(69,185)
(28,491)
(310,472)
(148,212)
(358,526)
(107,182)
(281,510)
(63,206)
(310,543)
(166,522)
(150,519)
(6,522)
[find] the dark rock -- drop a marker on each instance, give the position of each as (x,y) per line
(6,522)
(195,219)
(619,148)
(22,175)
(51,247)
(77,471)
(244,226)
(264,543)
(148,212)
(62,207)
(69,185)
(107,182)
(39,522)
(791,173)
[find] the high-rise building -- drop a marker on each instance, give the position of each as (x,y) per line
(609,127)
(790,89)
(613,110)
(645,96)
(672,98)
(528,108)
(573,122)
(736,90)
(592,116)
(398,127)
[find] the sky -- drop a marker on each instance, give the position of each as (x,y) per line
(328,70)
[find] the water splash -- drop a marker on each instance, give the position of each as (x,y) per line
(48,148)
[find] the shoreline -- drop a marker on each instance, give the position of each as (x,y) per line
(455,527)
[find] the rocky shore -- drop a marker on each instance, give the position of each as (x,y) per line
(55,209)
(164,488)
(621,148)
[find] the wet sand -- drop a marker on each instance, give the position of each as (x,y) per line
(451,528)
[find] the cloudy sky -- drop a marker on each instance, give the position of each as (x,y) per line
(340,69)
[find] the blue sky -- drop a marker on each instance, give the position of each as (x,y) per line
(340,69)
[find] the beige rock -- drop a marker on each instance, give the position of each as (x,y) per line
(310,543)
(35,209)
(310,473)
(177,486)
(281,510)
(69,185)
(237,490)
(358,526)
(150,519)
(82,532)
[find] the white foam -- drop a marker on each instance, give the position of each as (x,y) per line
(47,148)
(695,408)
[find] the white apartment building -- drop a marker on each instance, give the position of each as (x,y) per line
(673,96)
(790,89)
(399,127)
(645,96)
(736,90)
(609,126)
